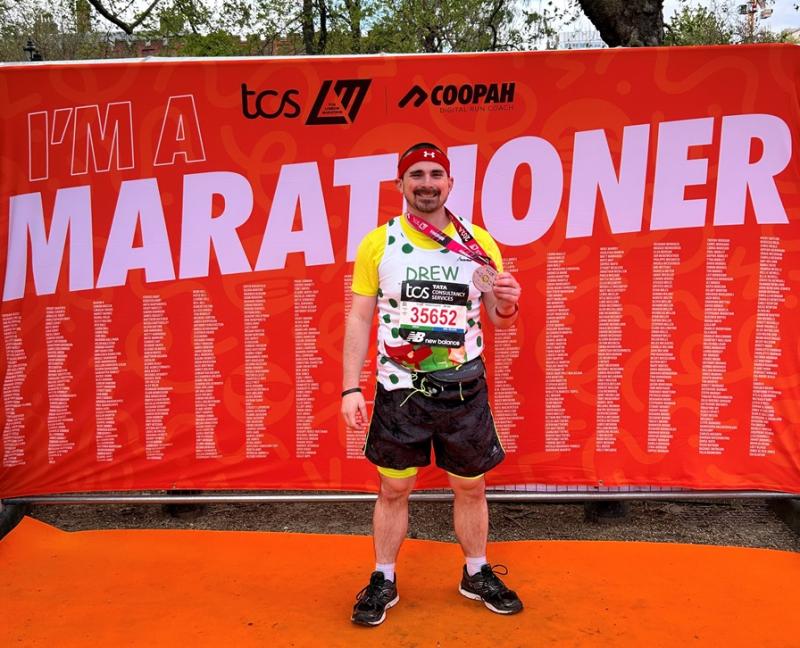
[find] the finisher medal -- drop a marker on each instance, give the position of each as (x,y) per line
(483,278)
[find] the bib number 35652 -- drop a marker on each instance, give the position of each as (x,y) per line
(434,311)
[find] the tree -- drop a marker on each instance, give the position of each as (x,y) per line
(340,26)
(456,26)
(626,24)
(64,29)
(698,26)
(56,28)
(355,13)
(314,11)
(720,23)
(115,16)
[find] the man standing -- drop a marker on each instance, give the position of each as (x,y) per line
(428,272)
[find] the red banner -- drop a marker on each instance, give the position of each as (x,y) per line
(176,244)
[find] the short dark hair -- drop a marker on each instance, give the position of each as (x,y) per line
(422,145)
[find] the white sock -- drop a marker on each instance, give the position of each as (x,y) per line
(387,569)
(474,564)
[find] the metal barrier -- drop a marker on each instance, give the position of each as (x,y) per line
(493,495)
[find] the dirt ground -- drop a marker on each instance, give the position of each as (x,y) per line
(746,523)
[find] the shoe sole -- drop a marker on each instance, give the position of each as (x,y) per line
(478,597)
(390,604)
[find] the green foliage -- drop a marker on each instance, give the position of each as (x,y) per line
(428,26)
(52,27)
(698,26)
(252,27)
(216,43)
(70,29)
(463,26)
(720,23)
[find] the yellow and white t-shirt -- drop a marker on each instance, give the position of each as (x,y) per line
(428,308)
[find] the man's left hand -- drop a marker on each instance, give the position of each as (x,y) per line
(507,291)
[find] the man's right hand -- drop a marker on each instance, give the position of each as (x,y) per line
(354,410)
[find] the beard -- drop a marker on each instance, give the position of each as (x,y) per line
(427,201)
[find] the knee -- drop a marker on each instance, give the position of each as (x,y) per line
(468,489)
(395,490)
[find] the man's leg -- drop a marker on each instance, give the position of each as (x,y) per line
(389,527)
(471,521)
(470,514)
(390,520)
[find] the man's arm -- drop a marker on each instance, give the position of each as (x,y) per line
(502,302)
(356,343)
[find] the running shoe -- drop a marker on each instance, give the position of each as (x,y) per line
(373,601)
(486,586)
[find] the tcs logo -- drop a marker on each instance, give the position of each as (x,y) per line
(269,104)
(416,292)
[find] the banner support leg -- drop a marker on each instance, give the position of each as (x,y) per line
(10,516)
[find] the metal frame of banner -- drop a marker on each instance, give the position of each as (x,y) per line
(439,496)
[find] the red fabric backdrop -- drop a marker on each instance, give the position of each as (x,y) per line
(176,240)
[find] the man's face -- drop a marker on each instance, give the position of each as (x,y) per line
(425,186)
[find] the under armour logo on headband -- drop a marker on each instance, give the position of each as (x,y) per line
(420,155)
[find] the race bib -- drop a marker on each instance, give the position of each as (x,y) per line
(433,313)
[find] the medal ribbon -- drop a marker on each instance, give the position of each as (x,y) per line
(470,249)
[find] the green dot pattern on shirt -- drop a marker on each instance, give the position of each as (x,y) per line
(395,333)
(384,359)
(391,221)
(387,318)
(394,379)
(479,341)
(408,248)
(444,250)
(380,293)
(471,322)
(392,239)
(392,302)
(469,305)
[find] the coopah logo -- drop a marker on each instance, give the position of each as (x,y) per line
(338,102)
(269,104)
(470,96)
(417,94)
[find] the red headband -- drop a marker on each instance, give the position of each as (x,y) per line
(423,155)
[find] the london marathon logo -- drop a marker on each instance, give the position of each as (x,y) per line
(467,97)
(337,102)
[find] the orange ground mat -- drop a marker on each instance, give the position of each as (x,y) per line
(213,588)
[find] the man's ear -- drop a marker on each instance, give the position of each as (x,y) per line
(399,184)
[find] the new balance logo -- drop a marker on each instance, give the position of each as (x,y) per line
(340,106)
(416,337)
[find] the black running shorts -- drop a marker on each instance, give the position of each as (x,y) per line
(458,421)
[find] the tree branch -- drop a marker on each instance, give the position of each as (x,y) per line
(492,26)
(307,19)
(112,18)
(323,26)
